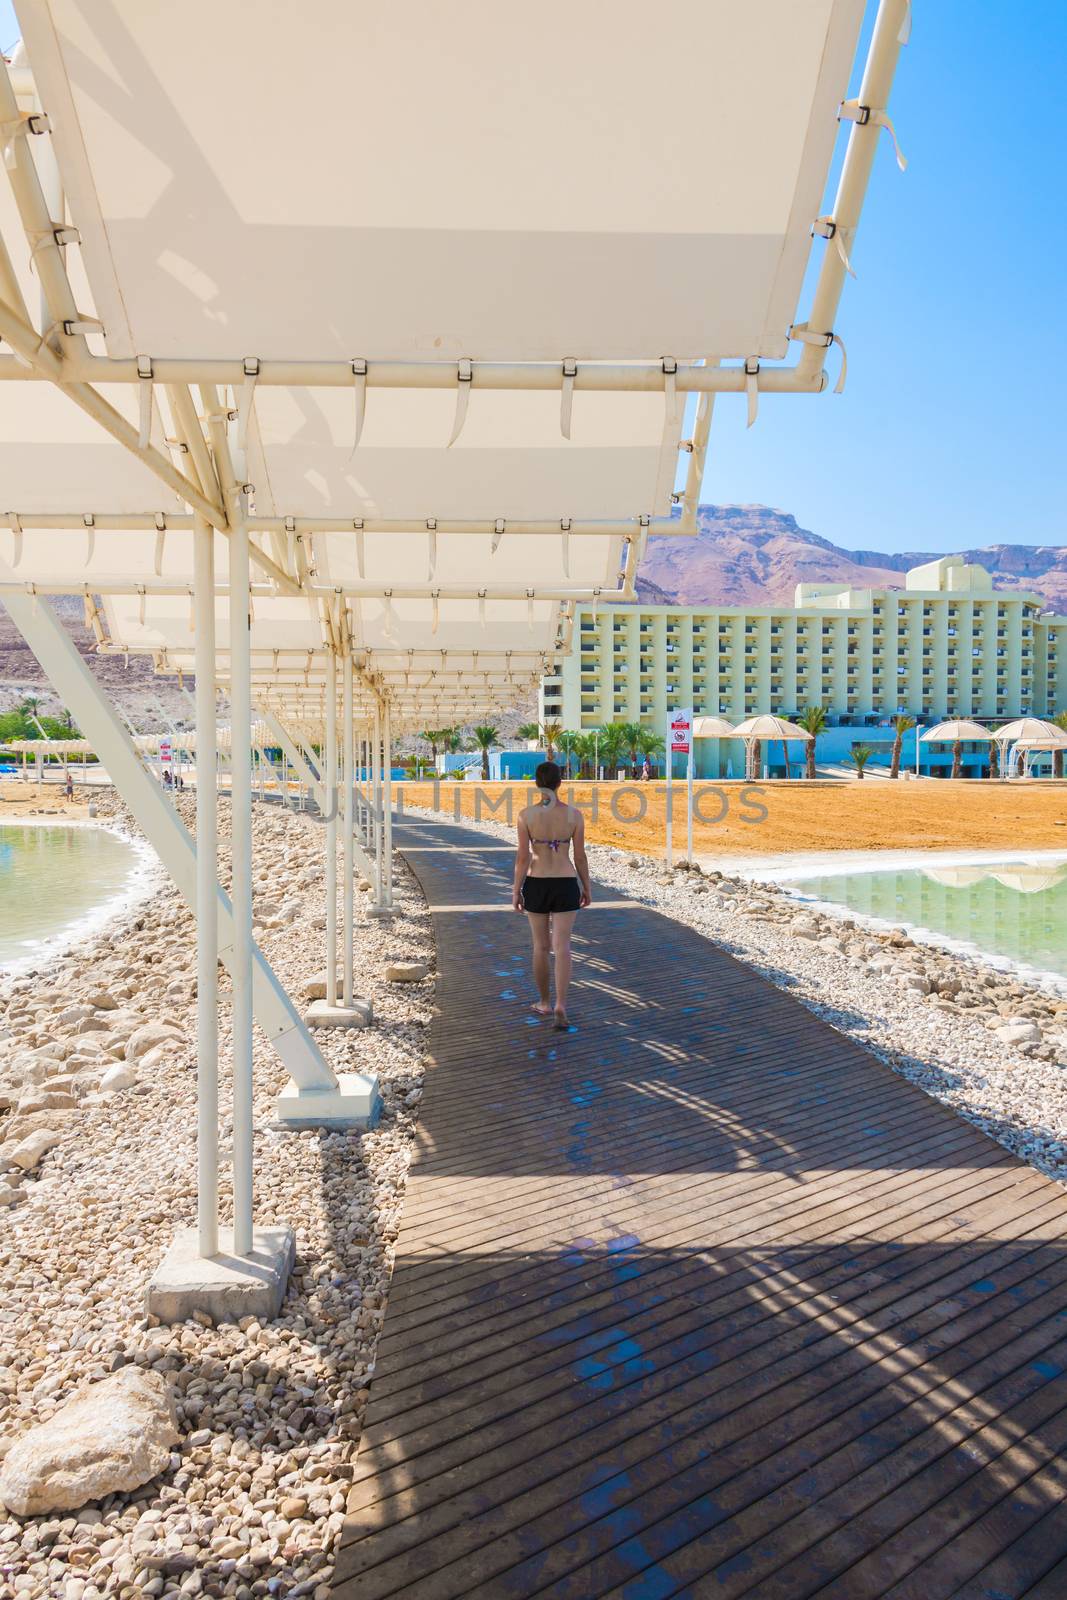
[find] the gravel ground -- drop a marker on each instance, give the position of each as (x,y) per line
(987,1043)
(255,1494)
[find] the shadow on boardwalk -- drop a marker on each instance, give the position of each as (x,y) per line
(699,1298)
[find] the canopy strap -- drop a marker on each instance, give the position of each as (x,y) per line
(752,388)
(18,127)
(16,535)
(90,537)
(565,545)
(464,379)
(670,390)
(822,341)
(244,408)
(359,389)
(436,597)
(498,534)
(431,547)
(852,111)
(481,608)
(144,386)
(530,609)
(566,400)
(361,548)
(141,605)
(161,536)
(827,228)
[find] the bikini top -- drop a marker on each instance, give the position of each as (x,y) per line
(552,844)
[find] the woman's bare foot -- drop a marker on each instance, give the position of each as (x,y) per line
(562,1021)
(542,1008)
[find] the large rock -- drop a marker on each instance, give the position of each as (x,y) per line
(148,1036)
(1018,1035)
(28,1152)
(110,1437)
(406,971)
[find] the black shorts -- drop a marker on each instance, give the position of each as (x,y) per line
(543,896)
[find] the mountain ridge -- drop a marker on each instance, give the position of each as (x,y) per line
(755,555)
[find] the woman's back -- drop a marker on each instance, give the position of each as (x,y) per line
(551,829)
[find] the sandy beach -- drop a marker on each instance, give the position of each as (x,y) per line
(779,817)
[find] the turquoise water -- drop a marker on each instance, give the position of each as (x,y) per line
(1015,911)
(56,883)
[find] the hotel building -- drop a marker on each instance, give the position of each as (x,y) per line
(945,645)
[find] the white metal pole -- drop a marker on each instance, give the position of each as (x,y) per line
(376,802)
(207,934)
(241,888)
(670,774)
(689,801)
(387,805)
(331,831)
(348,736)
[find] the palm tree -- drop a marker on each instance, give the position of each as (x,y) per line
(650,744)
(901,725)
(568,741)
(550,732)
(859,756)
(612,742)
(1057,755)
(453,739)
(755,758)
(957,758)
(994,759)
(528,731)
(484,736)
(433,737)
(584,747)
(813,721)
(631,734)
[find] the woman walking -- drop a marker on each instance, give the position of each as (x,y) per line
(549,887)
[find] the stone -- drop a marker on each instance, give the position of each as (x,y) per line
(118,1077)
(103,1000)
(9,1196)
(406,971)
(1016,1034)
(144,1038)
(360,1014)
(315,988)
(110,1437)
(29,1151)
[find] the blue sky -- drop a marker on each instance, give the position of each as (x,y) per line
(950,431)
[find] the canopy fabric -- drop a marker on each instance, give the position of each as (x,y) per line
(1034,732)
(768,727)
(528,154)
(954,732)
(713,728)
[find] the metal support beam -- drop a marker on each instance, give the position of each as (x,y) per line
(241,880)
(331,832)
(348,887)
(321,1097)
(207,928)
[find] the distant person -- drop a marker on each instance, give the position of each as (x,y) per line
(646,771)
(549,888)
(69,787)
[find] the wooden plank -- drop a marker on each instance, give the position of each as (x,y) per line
(763,1319)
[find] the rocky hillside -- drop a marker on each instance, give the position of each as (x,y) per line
(150,703)
(755,555)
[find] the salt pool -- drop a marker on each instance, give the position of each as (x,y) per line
(1012,911)
(60,882)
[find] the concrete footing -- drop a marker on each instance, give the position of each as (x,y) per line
(355,1103)
(226,1287)
(320,1014)
(381,911)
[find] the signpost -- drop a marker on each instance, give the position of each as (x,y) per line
(680,742)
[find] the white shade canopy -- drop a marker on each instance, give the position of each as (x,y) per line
(1035,733)
(768,727)
(503,193)
(954,732)
(712,728)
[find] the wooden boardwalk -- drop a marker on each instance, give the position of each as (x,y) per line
(698,1299)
